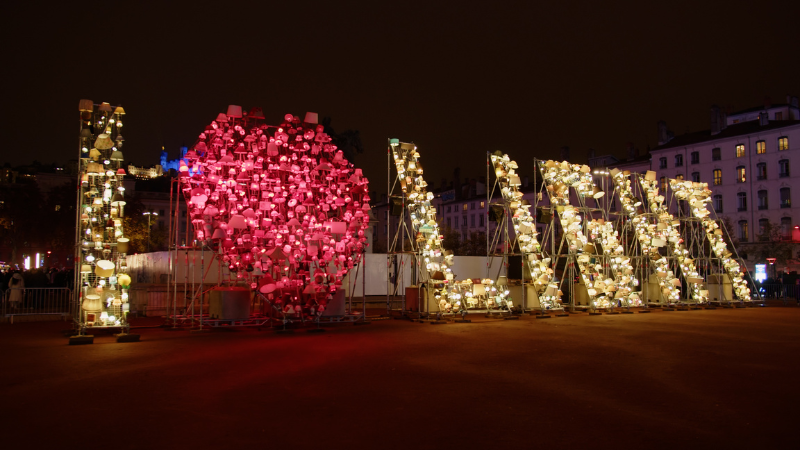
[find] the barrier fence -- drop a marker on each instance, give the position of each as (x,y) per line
(36,302)
(789,293)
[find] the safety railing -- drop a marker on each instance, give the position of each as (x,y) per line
(45,301)
(788,293)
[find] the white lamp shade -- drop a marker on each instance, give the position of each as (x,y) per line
(104,268)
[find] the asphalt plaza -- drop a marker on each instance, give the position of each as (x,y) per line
(683,379)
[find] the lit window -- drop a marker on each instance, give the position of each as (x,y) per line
(783,143)
(718,203)
(717,177)
(464,207)
(740,150)
(743,232)
(761,147)
(761,171)
(715,154)
(483,205)
(783,168)
(696,177)
(741,198)
(695,157)
(740,175)
(664,183)
(786,197)
(678,160)
(763,201)
(662,163)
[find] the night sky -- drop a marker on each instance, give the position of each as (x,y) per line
(458,79)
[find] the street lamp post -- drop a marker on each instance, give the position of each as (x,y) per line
(148,214)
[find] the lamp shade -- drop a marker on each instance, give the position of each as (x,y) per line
(123,245)
(92,303)
(85,105)
(311,117)
(103,142)
(237,222)
(234,111)
(116,155)
(118,200)
(86,268)
(104,268)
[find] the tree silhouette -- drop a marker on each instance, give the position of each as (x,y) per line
(348,141)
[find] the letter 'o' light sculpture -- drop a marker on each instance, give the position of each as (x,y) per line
(286,211)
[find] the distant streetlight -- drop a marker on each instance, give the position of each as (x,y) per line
(148,214)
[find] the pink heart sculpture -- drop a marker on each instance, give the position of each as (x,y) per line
(286,211)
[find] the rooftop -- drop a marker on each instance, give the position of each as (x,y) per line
(738,129)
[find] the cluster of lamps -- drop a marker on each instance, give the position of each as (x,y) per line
(559,177)
(437,261)
(623,282)
(651,236)
(286,210)
(698,195)
(102,244)
(668,232)
(525,231)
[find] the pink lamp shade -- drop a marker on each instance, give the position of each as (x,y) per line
(235,111)
(237,221)
(311,118)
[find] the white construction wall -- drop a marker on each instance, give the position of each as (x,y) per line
(153,268)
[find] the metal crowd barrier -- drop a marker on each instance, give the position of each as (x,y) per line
(789,293)
(45,301)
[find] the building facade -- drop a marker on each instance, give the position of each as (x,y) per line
(751,163)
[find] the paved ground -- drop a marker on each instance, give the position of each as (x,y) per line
(693,379)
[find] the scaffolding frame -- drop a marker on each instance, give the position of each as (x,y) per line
(99,169)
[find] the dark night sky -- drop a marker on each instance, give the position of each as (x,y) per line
(459,79)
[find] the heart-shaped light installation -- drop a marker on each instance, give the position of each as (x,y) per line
(287,211)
